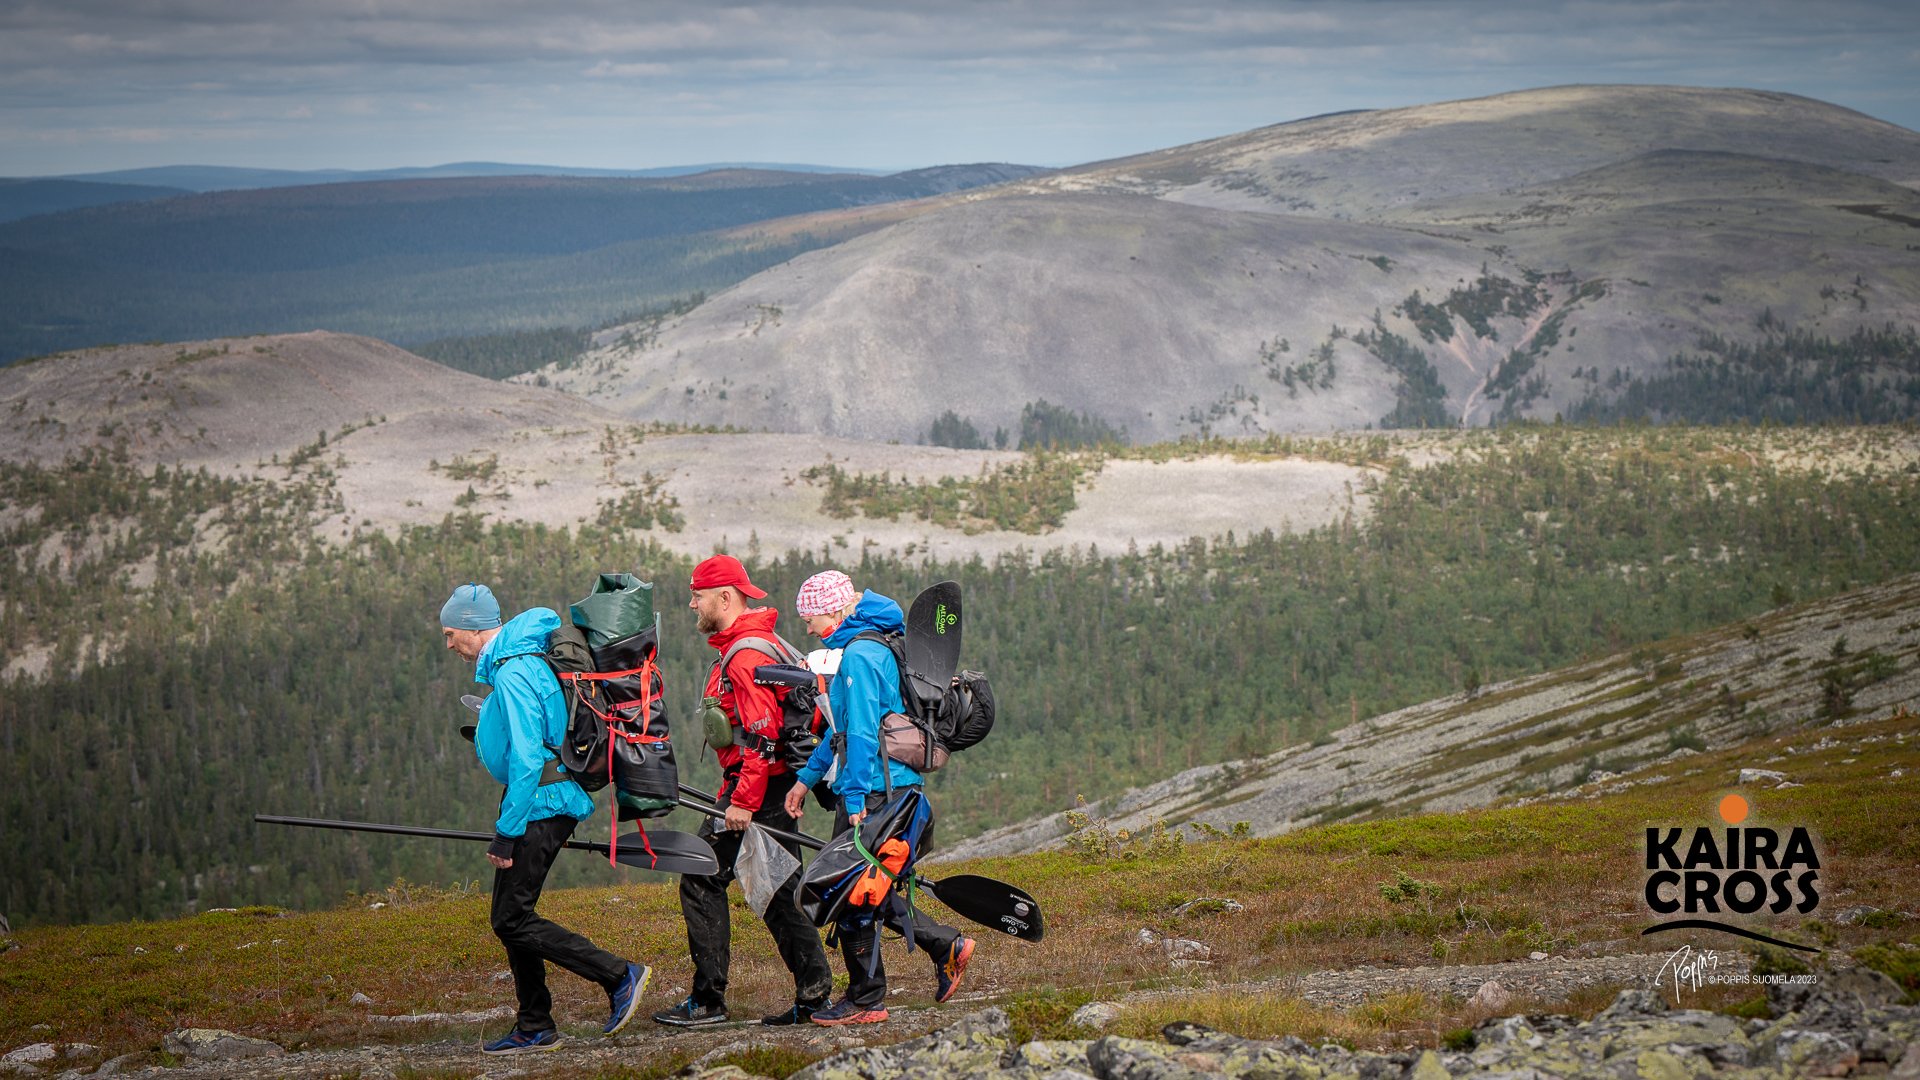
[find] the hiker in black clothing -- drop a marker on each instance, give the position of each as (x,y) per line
(749,747)
(525,714)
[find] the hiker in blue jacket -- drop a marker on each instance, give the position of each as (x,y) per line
(865,688)
(524,716)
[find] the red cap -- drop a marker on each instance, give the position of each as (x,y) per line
(718,570)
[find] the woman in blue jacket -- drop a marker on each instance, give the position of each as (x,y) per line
(865,688)
(526,714)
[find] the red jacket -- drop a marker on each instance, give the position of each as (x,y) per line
(746,770)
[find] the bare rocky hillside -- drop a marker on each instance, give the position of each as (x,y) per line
(1579,730)
(1561,234)
(235,403)
(407,442)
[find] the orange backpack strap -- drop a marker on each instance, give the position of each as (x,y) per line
(872,887)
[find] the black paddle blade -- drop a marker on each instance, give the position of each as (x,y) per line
(673,852)
(933,638)
(990,903)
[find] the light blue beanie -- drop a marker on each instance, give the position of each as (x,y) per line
(471,607)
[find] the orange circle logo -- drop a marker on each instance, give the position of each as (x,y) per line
(1733,809)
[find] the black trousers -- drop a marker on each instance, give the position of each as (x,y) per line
(860,933)
(531,941)
(703,903)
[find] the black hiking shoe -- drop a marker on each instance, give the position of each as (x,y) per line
(799,1014)
(690,1014)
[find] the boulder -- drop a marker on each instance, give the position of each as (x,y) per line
(1186,949)
(1095,1014)
(1491,995)
(1634,1004)
(1116,1058)
(32,1054)
(213,1044)
(1183,1032)
(1051,1055)
(1804,1052)
(973,1045)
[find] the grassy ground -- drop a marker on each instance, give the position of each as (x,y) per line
(1475,887)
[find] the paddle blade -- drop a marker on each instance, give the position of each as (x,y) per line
(990,903)
(933,638)
(672,853)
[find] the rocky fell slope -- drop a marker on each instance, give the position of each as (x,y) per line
(1852,658)
(1557,236)
(407,442)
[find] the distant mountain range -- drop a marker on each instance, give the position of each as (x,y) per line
(230,178)
(27,196)
(416,259)
(1533,254)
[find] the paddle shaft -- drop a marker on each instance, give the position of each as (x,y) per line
(404,830)
(456,834)
(717,813)
(990,909)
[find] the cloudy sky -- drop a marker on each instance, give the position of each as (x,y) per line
(104,84)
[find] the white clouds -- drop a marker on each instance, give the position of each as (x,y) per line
(846,79)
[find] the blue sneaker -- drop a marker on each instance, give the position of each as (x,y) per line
(626,997)
(523,1042)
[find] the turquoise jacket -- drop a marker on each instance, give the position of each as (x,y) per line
(866,688)
(525,714)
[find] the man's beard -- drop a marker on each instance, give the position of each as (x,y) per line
(705,623)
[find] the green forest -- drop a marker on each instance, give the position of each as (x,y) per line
(1786,376)
(213,658)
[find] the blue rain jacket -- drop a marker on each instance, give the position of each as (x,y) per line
(525,714)
(866,688)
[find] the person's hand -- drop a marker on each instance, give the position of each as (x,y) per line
(498,862)
(738,819)
(855,819)
(796,803)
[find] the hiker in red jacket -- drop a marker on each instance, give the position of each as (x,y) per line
(744,727)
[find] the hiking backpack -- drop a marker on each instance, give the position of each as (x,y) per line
(616,719)
(800,721)
(933,728)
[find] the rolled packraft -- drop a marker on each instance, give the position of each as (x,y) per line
(644,773)
(841,876)
(620,685)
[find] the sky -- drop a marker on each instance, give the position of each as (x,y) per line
(91,85)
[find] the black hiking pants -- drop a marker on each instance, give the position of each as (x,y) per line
(703,902)
(860,933)
(531,941)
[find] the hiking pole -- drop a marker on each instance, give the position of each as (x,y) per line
(983,900)
(671,852)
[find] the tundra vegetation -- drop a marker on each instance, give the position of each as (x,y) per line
(1479,887)
(189,651)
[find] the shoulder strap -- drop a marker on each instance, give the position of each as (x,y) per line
(777,649)
(895,643)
